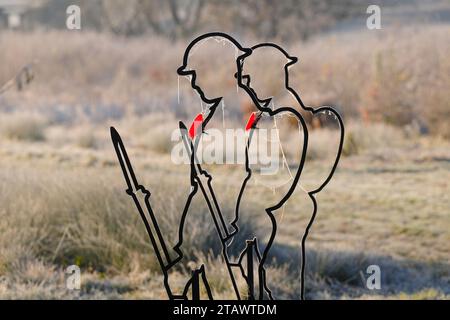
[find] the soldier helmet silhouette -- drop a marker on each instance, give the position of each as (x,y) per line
(187,69)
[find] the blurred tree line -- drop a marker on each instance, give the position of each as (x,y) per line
(182,18)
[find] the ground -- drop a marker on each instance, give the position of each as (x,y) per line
(387,205)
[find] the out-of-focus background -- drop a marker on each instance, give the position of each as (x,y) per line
(62,199)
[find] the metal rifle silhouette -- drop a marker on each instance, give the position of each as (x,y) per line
(251,244)
(141,198)
(202,178)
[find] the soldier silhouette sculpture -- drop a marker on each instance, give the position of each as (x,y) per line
(250,263)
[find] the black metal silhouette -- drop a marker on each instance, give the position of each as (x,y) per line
(194,284)
(201,179)
(196,171)
(262,105)
(251,245)
(141,198)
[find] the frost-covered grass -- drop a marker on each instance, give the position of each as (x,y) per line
(387,205)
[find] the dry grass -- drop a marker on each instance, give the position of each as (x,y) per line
(69,211)
(23,127)
(400,76)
